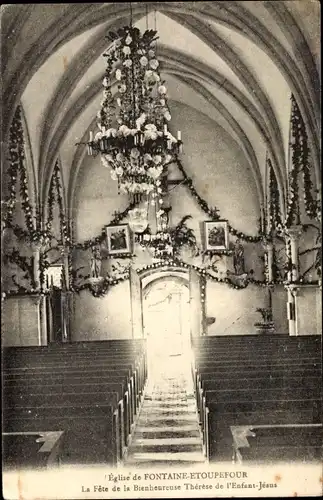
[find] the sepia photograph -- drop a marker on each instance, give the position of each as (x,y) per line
(118,239)
(216,235)
(161,250)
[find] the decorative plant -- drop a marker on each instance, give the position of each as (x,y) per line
(266,314)
(182,235)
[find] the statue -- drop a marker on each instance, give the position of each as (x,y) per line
(96,261)
(238,258)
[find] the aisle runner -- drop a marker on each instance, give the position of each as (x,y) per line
(167,431)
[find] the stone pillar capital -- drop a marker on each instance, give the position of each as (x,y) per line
(294,232)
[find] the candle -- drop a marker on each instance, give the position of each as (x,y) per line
(179,135)
(91,136)
(165,128)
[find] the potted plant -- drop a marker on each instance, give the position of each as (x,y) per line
(267,324)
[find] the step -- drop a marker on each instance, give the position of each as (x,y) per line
(174,409)
(167,448)
(168,428)
(168,399)
(166,441)
(164,434)
(148,417)
(159,404)
(161,464)
(178,456)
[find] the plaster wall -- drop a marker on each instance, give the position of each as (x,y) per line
(20,322)
(222,176)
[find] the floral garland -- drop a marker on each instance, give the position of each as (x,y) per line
(17,167)
(213,212)
(275,220)
(55,193)
(301,150)
(169,243)
(64,227)
(25,264)
(297,156)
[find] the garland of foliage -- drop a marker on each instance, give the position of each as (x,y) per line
(302,150)
(292,216)
(300,163)
(169,241)
(101,289)
(275,220)
(118,217)
(213,212)
(17,168)
(64,227)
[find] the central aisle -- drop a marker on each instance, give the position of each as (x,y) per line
(167,432)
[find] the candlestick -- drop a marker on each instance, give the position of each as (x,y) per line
(179,135)
(165,128)
(91,136)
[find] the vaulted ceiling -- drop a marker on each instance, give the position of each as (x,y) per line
(237,62)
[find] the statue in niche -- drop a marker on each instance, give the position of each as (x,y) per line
(238,258)
(96,261)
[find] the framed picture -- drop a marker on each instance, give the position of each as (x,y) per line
(53,276)
(216,235)
(118,239)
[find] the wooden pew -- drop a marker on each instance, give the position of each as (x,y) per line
(285,443)
(137,367)
(252,394)
(67,375)
(91,433)
(36,450)
(219,416)
(261,383)
(26,367)
(20,395)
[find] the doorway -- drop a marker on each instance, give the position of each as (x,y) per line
(166,315)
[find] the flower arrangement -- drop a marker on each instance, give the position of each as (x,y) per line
(133,138)
(266,314)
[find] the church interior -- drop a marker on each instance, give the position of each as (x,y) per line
(161,234)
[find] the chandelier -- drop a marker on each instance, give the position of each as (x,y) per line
(133,137)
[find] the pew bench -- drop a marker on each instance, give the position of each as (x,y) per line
(31,450)
(219,416)
(91,432)
(286,443)
(112,394)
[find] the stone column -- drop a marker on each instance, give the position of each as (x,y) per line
(291,304)
(293,233)
(36,247)
(270,258)
(65,253)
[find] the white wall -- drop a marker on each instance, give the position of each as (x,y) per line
(234,310)
(222,176)
(20,321)
(104,318)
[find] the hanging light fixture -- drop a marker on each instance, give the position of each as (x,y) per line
(133,137)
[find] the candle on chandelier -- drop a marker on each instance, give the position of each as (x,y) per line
(165,128)
(179,135)
(91,136)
